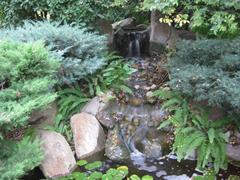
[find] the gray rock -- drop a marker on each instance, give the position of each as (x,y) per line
(153,149)
(58,157)
(93,106)
(88,135)
(115,148)
(123,23)
(44,117)
(162,35)
(105,118)
(233,152)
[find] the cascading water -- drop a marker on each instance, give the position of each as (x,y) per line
(132,41)
(133,138)
(134,48)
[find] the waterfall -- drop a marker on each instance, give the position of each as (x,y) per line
(134,48)
(137,48)
(130,49)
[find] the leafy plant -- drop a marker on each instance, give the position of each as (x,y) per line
(18,157)
(118,173)
(211,18)
(69,102)
(74,11)
(27,75)
(81,53)
(112,76)
(194,131)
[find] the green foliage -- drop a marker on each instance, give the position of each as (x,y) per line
(69,102)
(213,18)
(92,173)
(71,11)
(80,53)
(234,177)
(19,157)
(208,70)
(194,131)
(112,76)
(93,165)
(27,75)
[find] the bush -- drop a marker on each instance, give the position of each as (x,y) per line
(27,75)
(81,53)
(194,131)
(212,18)
(208,70)
(70,11)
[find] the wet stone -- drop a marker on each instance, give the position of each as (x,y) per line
(115,148)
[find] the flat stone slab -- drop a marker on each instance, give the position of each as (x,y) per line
(58,157)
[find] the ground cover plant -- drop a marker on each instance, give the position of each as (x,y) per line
(27,75)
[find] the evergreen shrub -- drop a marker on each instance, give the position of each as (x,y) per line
(27,75)
(80,52)
(208,70)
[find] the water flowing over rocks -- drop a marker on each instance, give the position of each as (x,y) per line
(88,135)
(115,148)
(58,157)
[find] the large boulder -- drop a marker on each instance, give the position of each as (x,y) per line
(123,23)
(88,135)
(58,157)
(162,35)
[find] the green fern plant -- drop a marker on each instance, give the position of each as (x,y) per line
(112,76)
(194,131)
(70,101)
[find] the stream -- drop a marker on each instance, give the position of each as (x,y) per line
(133,138)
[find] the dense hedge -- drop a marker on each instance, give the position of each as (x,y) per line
(208,70)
